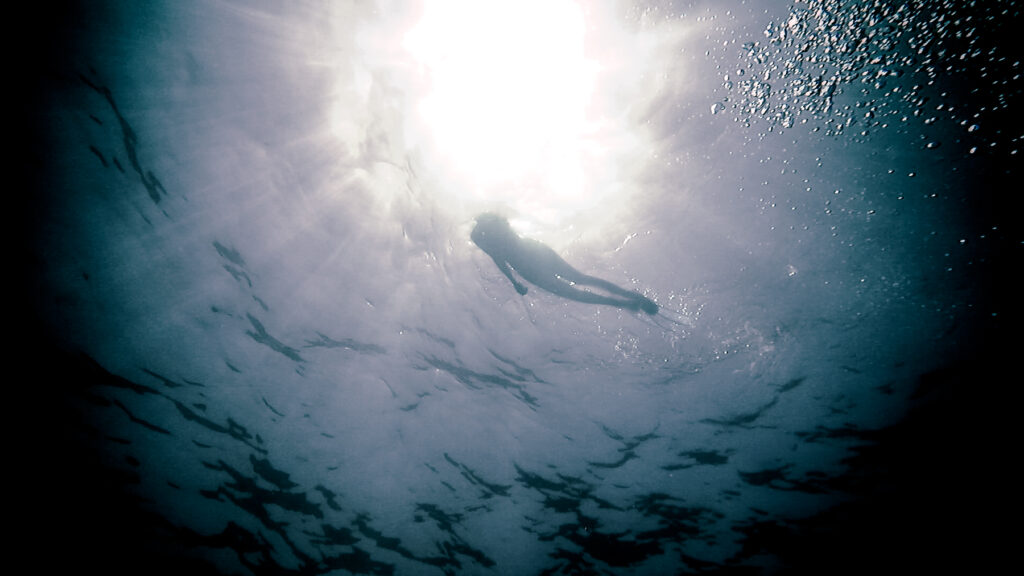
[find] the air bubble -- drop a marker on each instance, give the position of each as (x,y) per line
(825,47)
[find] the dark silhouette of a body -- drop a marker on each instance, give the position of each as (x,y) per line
(541,266)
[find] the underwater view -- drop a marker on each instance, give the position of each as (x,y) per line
(509,287)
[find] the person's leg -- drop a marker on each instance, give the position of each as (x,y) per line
(604,284)
(566,275)
(636,302)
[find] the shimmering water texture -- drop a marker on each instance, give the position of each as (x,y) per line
(850,67)
(296,307)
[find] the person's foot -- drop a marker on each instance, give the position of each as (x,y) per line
(645,304)
(649,306)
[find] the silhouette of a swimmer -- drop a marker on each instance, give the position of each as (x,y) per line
(542,267)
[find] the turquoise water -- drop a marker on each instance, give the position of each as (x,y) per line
(266,343)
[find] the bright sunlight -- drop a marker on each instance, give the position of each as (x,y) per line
(507,103)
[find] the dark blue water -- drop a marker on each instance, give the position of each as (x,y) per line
(262,342)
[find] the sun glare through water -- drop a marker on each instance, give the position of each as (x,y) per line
(509,85)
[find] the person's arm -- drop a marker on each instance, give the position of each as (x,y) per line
(507,271)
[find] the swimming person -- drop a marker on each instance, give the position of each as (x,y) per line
(541,266)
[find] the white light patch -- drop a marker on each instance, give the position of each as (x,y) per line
(509,89)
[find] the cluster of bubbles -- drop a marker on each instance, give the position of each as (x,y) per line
(853,66)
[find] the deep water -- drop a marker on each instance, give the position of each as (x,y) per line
(256,337)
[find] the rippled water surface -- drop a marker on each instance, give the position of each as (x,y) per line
(269,345)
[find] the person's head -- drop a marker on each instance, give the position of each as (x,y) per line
(491,230)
